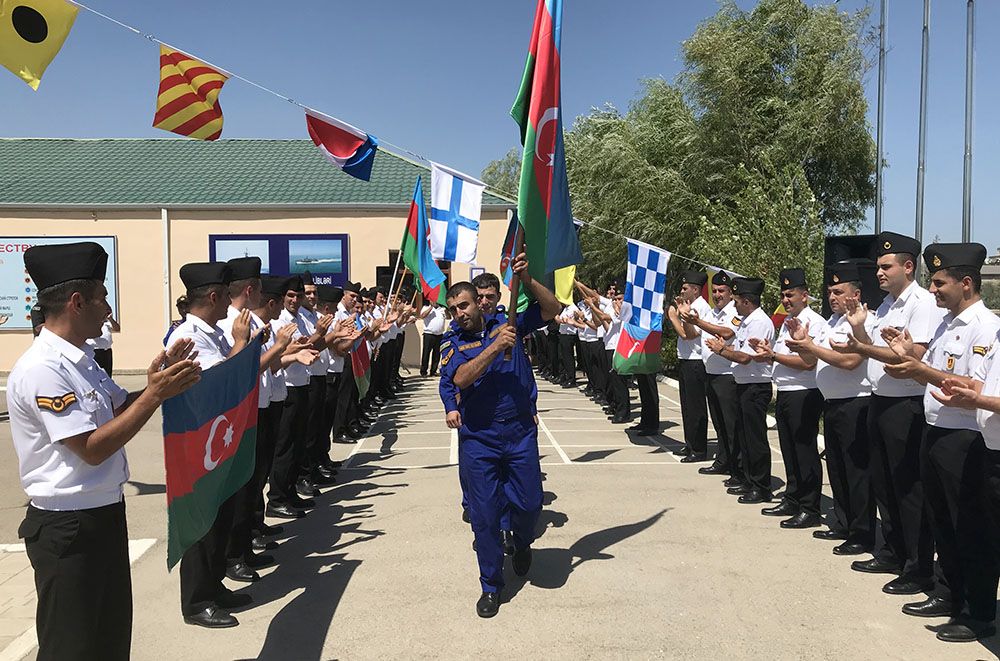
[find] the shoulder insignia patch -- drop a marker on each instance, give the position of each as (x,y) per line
(471,345)
(980,351)
(736,321)
(446,357)
(496,331)
(56,404)
(445,344)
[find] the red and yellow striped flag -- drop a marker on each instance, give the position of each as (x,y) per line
(188,100)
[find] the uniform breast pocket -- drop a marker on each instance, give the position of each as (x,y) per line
(953,352)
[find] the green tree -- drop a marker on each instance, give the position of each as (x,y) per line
(504,174)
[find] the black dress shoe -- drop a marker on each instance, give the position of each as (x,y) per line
(966,630)
(694,458)
(242,572)
(323,478)
(566,385)
(283,512)
(733,482)
(646,432)
(521,562)
(488,604)
(933,607)
(907,585)
(875,566)
(229,599)
(212,618)
(755,497)
(465,515)
(784,508)
(714,469)
(306,489)
(260,543)
(830,535)
(356,431)
(802,520)
(739,490)
(681,451)
(270,531)
(259,560)
(332,464)
(851,548)
(302,503)
(619,419)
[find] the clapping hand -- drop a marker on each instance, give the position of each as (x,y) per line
(855,312)
(901,343)
(715,344)
(166,382)
(850,346)
(908,368)
(323,324)
(178,351)
(283,337)
(956,394)
(241,327)
(762,346)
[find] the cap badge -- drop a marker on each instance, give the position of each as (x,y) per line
(937,260)
(887,245)
(836,278)
(787,281)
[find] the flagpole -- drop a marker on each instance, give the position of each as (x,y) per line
(922,140)
(970,52)
(881,118)
(515,286)
(392,284)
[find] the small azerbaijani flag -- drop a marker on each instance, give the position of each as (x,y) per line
(345,146)
(209,443)
(361,362)
(188,101)
(638,350)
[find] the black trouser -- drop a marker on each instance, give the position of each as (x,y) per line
(104,360)
(400,345)
(798,413)
(347,397)
(617,391)
(692,384)
(265,457)
(203,565)
(330,399)
(592,362)
(567,363)
(649,400)
(724,405)
(245,500)
(845,430)
(951,469)
(540,347)
(895,428)
(991,508)
(430,354)
(288,446)
(82,580)
(752,433)
(314,424)
(554,360)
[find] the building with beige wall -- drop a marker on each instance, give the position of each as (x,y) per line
(162,199)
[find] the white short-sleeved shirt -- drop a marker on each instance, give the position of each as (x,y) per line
(692,349)
(104,341)
(57,391)
(266,377)
(786,378)
(296,374)
(727,318)
(588,334)
(322,362)
(614,330)
(209,341)
(835,382)
(916,311)
(435,321)
(568,329)
(988,373)
(959,347)
(755,325)
(337,362)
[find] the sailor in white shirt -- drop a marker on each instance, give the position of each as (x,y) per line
(723,399)
(953,450)
(435,321)
(798,408)
(567,338)
(692,379)
(843,381)
(753,379)
(317,327)
(69,423)
(606,315)
(338,343)
(896,412)
(346,414)
(589,345)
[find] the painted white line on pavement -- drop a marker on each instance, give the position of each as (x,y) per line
(381,434)
(453,450)
(357,448)
(552,440)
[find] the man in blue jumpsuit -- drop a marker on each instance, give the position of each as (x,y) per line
(498,433)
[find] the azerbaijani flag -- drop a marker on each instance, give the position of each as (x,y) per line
(507,251)
(361,363)
(209,440)
(416,248)
(543,205)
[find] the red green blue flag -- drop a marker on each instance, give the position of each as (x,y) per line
(416,247)
(209,440)
(543,204)
(361,363)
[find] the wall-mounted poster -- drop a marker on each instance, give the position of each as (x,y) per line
(325,256)
(17,291)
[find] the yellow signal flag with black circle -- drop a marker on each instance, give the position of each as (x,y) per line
(31,34)
(187,102)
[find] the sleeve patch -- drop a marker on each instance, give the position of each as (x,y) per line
(980,351)
(445,344)
(56,404)
(445,358)
(471,345)
(496,331)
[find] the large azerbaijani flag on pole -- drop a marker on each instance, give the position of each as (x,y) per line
(209,441)
(638,350)
(543,205)
(416,248)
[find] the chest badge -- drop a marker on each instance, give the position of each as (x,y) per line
(56,404)
(951,363)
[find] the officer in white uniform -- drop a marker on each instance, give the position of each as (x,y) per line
(434,317)
(692,379)
(952,451)
(70,422)
(567,338)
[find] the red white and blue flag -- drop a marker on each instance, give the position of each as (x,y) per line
(507,252)
(348,147)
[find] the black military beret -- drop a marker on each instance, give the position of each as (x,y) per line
(722,278)
(842,272)
(888,243)
(939,256)
(694,278)
(201,274)
(790,278)
(295,283)
(329,293)
(307,277)
(276,285)
(352,287)
(51,265)
(751,286)
(245,268)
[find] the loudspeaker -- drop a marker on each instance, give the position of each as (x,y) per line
(860,250)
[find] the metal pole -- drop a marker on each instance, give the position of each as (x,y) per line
(881,117)
(970,50)
(922,142)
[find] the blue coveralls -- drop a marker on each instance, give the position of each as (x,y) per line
(498,461)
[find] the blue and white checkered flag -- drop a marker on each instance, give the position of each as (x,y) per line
(645,286)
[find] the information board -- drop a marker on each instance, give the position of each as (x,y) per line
(325,256)
(17,291)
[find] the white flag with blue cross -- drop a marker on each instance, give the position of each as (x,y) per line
(456,205)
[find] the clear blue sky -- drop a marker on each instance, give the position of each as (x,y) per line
(439,76)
